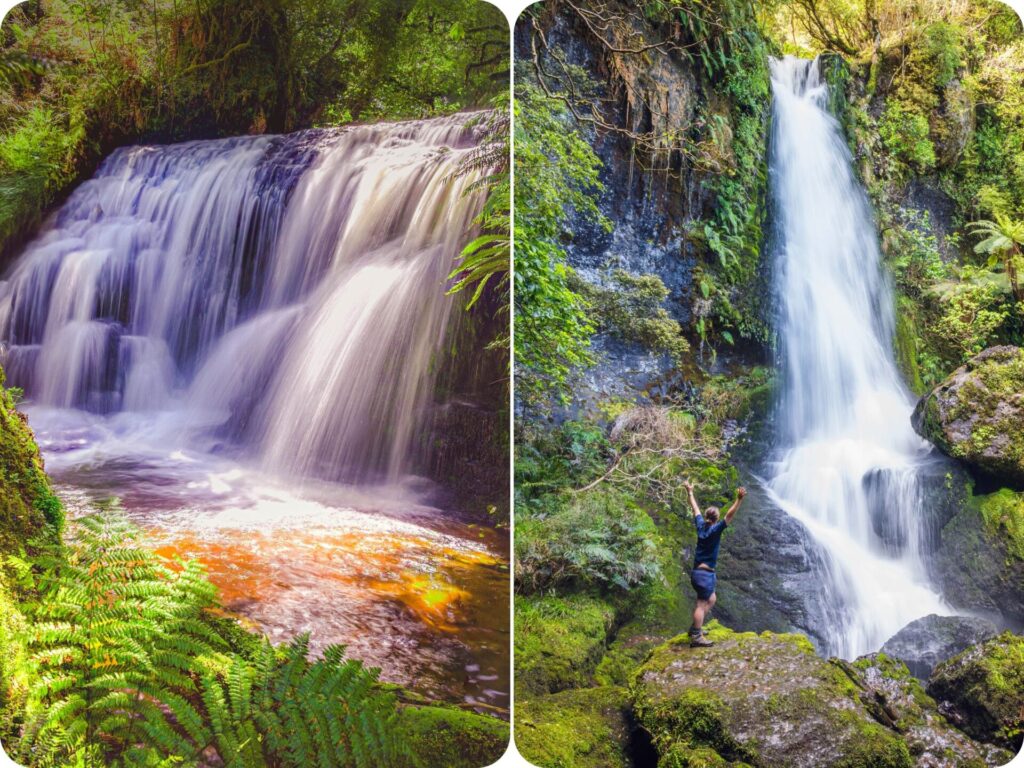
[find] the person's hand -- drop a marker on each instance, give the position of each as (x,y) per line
(688,485)
(741,492)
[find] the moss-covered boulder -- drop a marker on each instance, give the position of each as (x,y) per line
(559,641)
(896,698)
(979,563)
(448,737)
(586,728)
(982,690)
(975,415)
(27,505)
(764,700)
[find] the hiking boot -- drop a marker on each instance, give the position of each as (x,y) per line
(699,641)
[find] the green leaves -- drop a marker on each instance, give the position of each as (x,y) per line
(125,668)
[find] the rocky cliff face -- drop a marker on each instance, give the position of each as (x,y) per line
(666,136)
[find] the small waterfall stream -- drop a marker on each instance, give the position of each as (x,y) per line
(850,460)
(241,339)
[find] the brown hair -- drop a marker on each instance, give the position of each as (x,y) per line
(711,513)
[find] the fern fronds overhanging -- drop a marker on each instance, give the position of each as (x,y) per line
(126,668)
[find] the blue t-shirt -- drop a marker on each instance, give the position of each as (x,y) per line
(708,539)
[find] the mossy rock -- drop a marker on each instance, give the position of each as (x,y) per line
(895,697)
(28,507)
(976,413)
(977,563)
(982,690)
(448,737)
(766,700)
(586,728)
(559,641)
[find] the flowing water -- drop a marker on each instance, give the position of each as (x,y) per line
(850,464)
(240,339)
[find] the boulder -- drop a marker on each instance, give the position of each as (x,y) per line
(585,728)
(979,564)
(975,415)
(895,697)
(981,690)
(923,643)
(765,700)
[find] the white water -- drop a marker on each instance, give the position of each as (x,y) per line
(240,339)
(850,460)
(281,296)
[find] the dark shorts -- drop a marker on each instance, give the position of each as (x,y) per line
(703,583)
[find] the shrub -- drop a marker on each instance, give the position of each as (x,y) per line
(904,131)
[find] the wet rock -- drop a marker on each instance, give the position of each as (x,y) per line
(979,563)
(924,643)
(894,697)
(982,690)
(770,572)
(975,415)
(587,728)
(765,700)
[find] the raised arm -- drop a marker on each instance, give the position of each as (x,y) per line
(693,499)
(740,493)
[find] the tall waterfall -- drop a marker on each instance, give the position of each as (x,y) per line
(283,296)
(850,460)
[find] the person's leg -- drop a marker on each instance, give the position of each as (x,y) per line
(710,604)
(698,615)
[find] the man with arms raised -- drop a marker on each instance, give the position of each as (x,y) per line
(705,559)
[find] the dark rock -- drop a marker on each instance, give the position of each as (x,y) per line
(924,643)
(982,690)
(975,415)
(976,566)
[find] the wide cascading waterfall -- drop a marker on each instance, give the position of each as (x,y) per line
(849,458)
(243,341)
(286,291)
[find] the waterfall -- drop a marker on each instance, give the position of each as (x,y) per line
(282,297)
(849,460)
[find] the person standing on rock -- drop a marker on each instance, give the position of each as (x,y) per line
(705,559)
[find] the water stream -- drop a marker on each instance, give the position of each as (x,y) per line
(849,468)
(240,339)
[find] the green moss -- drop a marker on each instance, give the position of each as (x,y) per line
(905,347)
(448,737)
(559,641)
(586,728)
(985,685)
(13,688)
(28,507)
(1003,513)
(905,133)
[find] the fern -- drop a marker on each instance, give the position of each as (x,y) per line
(125,669)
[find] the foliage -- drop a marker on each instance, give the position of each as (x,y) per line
(974,311)
(488,256)
(1001,241)
(630,307)
(556,178)
(120,71)
(904,132)
(599,538)
(125,667)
